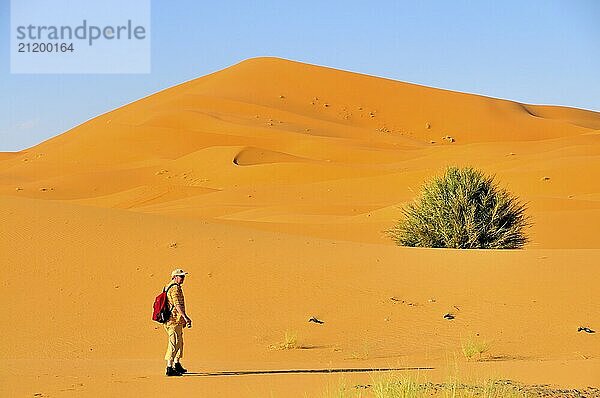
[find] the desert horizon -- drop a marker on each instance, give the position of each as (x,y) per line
(272,182)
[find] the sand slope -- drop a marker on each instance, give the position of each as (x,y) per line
(275,180)
(289,147)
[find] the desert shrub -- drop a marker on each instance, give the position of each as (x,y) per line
(290,342)
(393,386)
(463,209)
(473,345)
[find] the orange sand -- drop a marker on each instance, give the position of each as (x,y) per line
(275,179)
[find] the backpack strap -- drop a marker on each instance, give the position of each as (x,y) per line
(170,286)
(167,291)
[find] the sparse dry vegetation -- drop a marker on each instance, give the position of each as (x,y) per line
(474,345)
(406,386)
(290,342)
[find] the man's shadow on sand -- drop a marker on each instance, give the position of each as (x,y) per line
(300,371)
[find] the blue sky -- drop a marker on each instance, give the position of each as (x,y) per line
(545,52)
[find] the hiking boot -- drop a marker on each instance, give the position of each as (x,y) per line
(180,368)
(173,372)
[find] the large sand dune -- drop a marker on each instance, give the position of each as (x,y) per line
(271,182)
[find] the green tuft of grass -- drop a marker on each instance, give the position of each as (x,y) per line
(498,389)
(474,345)
(391,386)
(405,386)
(290,342)
(463,209)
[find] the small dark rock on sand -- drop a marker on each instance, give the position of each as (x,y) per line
(585,329)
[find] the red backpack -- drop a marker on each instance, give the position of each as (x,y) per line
(162,312)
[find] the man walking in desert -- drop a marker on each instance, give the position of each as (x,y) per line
(177,321)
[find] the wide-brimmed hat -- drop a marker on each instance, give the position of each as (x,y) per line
(178,272)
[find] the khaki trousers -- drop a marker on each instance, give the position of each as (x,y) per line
(175,346)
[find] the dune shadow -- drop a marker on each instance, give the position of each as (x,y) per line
(251,156)
(302,371)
